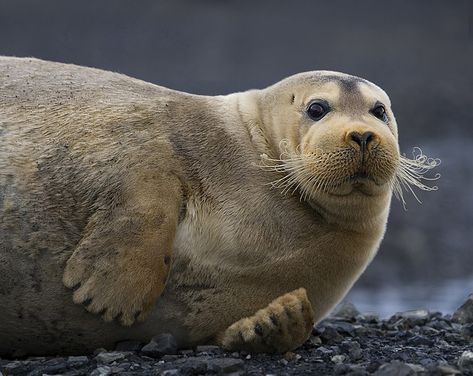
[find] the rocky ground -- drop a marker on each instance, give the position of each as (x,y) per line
(348,343)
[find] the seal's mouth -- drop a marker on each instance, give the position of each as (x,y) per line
(343,172)
(338,172)
(361,177)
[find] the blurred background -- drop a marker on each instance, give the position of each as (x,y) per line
(419,51)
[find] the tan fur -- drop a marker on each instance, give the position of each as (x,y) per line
(105,178)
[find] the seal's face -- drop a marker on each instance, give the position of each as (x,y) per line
(336,135)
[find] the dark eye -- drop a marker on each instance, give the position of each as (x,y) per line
(380,112)
(317,110)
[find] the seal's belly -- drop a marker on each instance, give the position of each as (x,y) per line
(39,316)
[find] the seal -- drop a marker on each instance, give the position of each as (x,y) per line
(128,209)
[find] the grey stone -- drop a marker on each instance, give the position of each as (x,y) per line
(440,325)
(76,360)
(467,331)
(413,317)
(395,368)
(171,372)
(448,370)
(330,335)
(453,338)
(427,330)
(192,365)
(109,357)
(101,371)
(417,368)
(169,358)
(346,311)
(99,350)
(225,365)
(465,362)
(284,362)
(343,327)
(16,368)
(353,349)
(350,370)
(420,340)
(51,366)
(337,359)
(163,344)
(427,362)
(323,351)
(315,340)
(370,317)
(464,313)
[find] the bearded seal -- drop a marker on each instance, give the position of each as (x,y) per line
(128,209)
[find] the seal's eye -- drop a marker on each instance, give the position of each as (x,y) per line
(317,110)
(380,112)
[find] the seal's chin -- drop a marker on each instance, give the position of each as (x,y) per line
(358,183)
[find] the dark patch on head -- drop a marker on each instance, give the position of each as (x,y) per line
(293,98)
(351,100)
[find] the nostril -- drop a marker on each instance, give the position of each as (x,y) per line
(362,139)
(357,137)
(368,137)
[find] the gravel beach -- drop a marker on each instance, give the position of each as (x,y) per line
(414,342)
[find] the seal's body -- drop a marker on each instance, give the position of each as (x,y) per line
(163,211)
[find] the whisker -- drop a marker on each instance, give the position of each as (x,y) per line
(411,173)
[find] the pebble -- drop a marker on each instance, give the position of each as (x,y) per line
(337,359)
(464,314)
(170,372)
(411,318)
(192,365)
(163,344)
(329,335)
(394,368)
(101,371)
(225,365)
(353,349)
(465,362)
(77,359)
(315,340)
(420,340)
(109,357)
(346,311)
(448,370)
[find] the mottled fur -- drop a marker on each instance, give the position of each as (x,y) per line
(107,178)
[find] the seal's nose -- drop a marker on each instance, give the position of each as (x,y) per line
(362,139)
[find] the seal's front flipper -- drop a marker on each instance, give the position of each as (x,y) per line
(283,325)
(120,267)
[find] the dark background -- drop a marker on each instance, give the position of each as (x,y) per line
(420,52)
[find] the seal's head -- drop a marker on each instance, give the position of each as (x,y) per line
(334,138)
